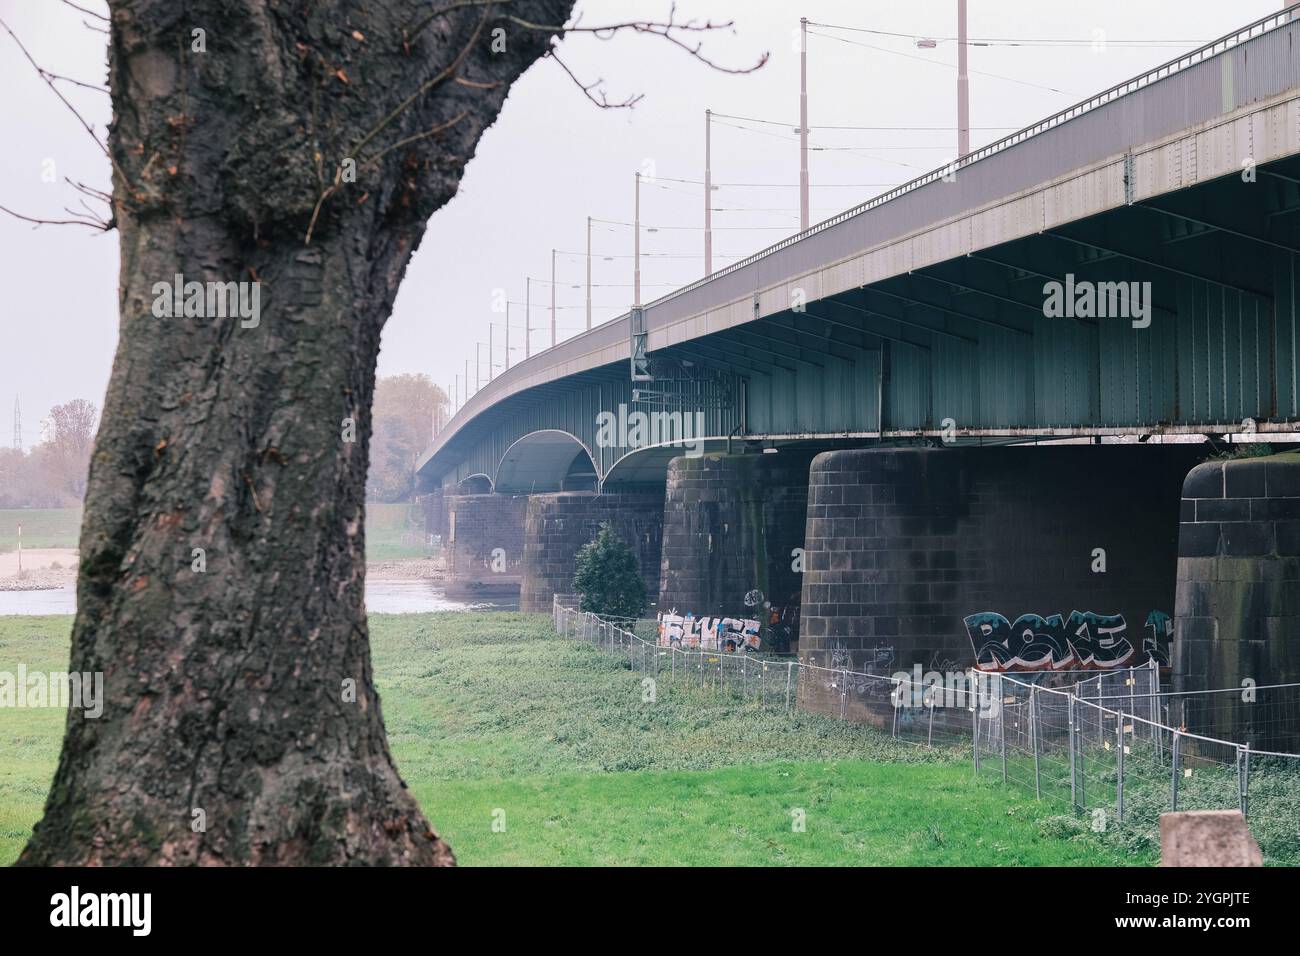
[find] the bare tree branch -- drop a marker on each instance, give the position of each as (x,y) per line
(603,102)
(666,30)
(89,190)
(46,76)
(89,13)
(68,79)
(96,224)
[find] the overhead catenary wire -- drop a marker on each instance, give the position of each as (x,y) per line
(923,59)
(1013,41)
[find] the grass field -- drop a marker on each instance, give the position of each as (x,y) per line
(491,718)
(60,527)
(42,527)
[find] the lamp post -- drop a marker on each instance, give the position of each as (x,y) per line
(803,124)
(708,192)
(636,245)
(963,85)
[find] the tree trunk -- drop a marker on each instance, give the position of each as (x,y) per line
(222,551)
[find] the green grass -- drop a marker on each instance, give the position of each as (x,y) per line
(385,526)
(490,712)
(42,527)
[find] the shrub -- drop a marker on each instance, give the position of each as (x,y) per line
(608,577)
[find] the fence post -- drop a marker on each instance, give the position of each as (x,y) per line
(1074,788)
(789,673)
(1119,769)
(1173,773)
(929,733)
(898,703)
(744,676)
(1243,778)
(1002,727)
(1034,739)
(975,730)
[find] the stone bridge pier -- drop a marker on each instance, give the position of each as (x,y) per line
(556,526)
(733,526)
(484,544)
(1238,606)
(932,557)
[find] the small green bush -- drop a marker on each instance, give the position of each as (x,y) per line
(608,577)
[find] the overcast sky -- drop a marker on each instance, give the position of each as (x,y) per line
(553,158)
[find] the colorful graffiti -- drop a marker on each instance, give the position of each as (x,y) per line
(708,633)
(1084,641)
(783,626)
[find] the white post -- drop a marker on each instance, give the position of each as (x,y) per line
(708,192)
(963,84)
(803,124)
(636,244)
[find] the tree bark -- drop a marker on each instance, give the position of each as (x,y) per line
(228,735)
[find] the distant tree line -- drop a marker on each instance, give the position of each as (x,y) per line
(53,474)
(408,411)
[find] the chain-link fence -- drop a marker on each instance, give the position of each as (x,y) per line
(1112,744)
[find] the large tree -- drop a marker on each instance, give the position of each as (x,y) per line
(407,411)
(300,145)
(72,430)
(240,724)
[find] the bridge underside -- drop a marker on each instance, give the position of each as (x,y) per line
(958,350)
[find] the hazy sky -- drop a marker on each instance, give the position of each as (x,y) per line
(553,158)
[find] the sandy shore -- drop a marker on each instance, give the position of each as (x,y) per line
(412,569)
(48,568)
(43,569)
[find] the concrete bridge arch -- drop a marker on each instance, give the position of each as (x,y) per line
(548,460)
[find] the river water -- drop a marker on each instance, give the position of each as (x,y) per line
(382,597)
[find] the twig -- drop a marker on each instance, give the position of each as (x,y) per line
(89,13)
(93,224)
(89,190)
(63,99)
(68,79)
(432,131)
(450,8)
(655,28)
(429,84)
(586,88)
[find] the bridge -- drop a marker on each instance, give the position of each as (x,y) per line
(825,422)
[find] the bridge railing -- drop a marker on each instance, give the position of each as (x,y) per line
(1176,65)
(1104,749)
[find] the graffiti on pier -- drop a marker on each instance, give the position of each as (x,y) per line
(708,633)
(1085,640)
(783,625)
(1160,628)
(844,674)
